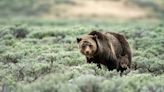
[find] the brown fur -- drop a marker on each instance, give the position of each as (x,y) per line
(123,63)
(87,45)
(109,47)
(125,46)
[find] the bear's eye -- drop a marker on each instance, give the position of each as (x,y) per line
(122,63)
(83,46)
(90,46)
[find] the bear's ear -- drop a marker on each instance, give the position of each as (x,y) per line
(94,37)
(98,34)
(93,32)
(78,39)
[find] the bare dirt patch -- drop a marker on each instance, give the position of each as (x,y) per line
(106,8)
(101,8)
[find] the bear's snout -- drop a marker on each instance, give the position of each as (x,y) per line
(124,66)
(87,52)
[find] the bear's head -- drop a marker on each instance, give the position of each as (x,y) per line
(124,62)
(87,45)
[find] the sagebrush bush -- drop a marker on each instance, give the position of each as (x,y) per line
(50,33)
(19,32)
(43,56)
(10,57)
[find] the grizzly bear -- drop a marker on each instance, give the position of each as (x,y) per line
(104,48)
(123,63)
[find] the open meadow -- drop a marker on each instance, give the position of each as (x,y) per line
(42,56)
(39,52)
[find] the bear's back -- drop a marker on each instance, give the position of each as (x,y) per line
(115,42)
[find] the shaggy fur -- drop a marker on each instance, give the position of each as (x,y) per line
(123,63)
(109,47)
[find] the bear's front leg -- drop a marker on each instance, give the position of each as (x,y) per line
(89,60)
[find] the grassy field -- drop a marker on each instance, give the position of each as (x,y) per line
(38,55)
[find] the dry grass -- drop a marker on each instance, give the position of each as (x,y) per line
(101,9)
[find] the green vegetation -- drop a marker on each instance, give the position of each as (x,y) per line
(10,8)
(38,49)
(38,55)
